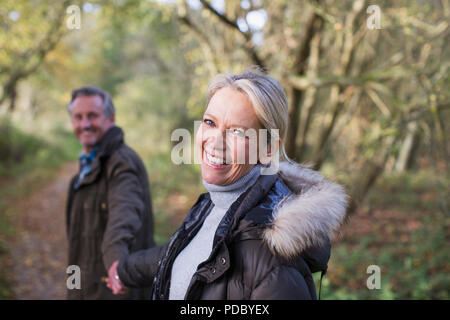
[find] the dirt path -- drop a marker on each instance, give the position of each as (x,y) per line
(38,252)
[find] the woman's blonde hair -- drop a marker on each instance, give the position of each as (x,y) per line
(266,95)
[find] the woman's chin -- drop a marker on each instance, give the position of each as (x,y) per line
(213,175)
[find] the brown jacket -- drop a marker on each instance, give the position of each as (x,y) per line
(108,216)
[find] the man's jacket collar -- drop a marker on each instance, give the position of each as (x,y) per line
(110,142)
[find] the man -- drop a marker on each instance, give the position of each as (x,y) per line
(109,210)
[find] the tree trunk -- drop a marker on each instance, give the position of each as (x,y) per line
(320,149)
(369,175)
(407,149)
(342,69)
(294,119)
(313,27)
(310,97)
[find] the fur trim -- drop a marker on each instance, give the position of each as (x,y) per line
(310,217)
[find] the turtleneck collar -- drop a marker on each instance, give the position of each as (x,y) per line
(224,196)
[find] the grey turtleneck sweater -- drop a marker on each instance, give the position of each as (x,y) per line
(200,247)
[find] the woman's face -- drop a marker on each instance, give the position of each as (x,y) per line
(221,137)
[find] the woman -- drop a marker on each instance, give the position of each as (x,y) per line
(253,235)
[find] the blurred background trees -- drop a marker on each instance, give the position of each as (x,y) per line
(359,98)
(368,107)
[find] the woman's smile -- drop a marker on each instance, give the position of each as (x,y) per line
(214,162)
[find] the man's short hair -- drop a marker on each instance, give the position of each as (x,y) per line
(108,106)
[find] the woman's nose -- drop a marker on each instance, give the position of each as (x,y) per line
(219,140)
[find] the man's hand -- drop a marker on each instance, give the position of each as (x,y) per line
(113,282)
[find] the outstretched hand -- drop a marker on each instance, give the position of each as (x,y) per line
(113,282)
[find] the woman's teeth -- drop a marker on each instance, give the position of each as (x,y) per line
(214,160)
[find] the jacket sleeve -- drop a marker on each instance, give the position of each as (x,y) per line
(126,207)
(282,283)
(139,268)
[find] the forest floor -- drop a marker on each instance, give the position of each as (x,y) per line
(36,259)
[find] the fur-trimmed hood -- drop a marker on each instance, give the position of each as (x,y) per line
(310,217)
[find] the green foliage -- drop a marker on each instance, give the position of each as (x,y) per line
(15,146)
(21,152)
(168,180)
(25,26)
(408,240)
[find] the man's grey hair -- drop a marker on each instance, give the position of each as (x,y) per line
(108,106)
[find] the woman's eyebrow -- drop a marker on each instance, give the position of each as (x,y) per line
(209,116)
(238,126)
(233,125)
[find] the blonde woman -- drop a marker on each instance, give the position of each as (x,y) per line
(253,235)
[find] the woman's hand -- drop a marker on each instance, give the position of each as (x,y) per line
(113,282)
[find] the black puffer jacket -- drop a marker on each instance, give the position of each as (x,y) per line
(270,241)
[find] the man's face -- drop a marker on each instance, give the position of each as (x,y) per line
(89,121)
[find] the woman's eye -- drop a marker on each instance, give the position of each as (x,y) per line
(238,132)
(209,122)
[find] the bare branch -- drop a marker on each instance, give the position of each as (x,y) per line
(398,72)
(204,43)
(248,45)
(313,26)
(320,10)
(225,19)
